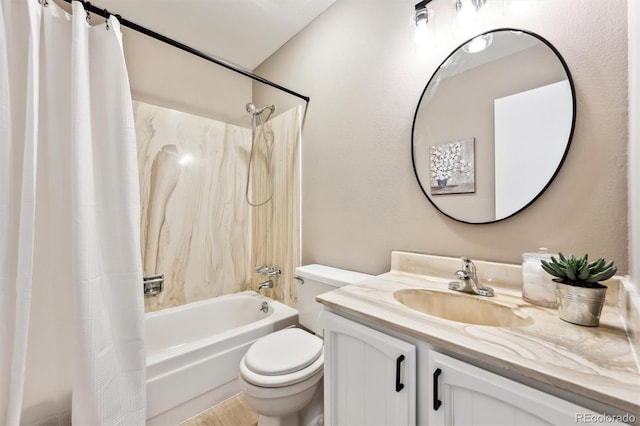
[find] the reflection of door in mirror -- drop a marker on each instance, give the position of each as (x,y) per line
(458,103)
(527,126)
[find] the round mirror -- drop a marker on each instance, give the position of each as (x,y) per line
(493,126)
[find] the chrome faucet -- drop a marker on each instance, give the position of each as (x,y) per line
(468,280)
(265,284)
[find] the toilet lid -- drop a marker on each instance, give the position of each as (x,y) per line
(283,352)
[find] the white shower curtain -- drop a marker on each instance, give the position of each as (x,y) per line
(71,310)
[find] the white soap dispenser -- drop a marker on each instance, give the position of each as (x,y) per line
(537,286)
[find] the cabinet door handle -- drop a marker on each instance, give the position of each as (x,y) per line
(399,386)
(436,402)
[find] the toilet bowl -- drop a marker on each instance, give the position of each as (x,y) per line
(281,374)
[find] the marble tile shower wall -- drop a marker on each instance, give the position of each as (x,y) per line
(276,224)
(196,226)
(195,222)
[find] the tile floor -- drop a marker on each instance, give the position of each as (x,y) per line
(231,412)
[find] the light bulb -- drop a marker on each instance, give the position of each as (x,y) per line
(423,35)
(478,44)
(466,13)
(421,25)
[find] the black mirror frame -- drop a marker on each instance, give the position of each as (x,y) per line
(566,151)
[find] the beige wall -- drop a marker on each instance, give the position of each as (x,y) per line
(360,198)
(163,75)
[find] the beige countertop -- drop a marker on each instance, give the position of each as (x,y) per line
(594,362)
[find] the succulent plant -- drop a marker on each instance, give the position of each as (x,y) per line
(578,271)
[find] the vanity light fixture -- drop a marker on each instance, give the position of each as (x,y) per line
(423,34)
(465,16)
(467,11)
(422,14)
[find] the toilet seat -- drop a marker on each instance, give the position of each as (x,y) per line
(283,352)
(282,358)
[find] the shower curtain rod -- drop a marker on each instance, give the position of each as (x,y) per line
(132,25)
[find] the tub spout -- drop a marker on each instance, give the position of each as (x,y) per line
(265,284)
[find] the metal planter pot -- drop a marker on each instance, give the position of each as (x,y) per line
(580,305)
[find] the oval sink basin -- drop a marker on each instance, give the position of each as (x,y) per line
(460,307)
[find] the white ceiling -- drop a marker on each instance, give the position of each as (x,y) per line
(243,32)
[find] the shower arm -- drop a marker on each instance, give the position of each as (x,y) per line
(253,111)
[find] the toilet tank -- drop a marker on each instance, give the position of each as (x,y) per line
(319,279)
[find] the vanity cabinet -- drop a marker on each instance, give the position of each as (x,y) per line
(462,394)
(370,377)
(376,376)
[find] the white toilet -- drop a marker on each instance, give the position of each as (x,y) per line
(282,372)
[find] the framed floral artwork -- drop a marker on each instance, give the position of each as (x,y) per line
(453,167)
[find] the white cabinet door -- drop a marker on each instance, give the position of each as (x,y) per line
(370,377)
(462,394)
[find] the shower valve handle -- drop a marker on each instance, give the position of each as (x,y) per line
(269,271)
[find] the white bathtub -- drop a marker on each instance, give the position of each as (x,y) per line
(194,351)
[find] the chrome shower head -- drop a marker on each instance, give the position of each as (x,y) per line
(251,109)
